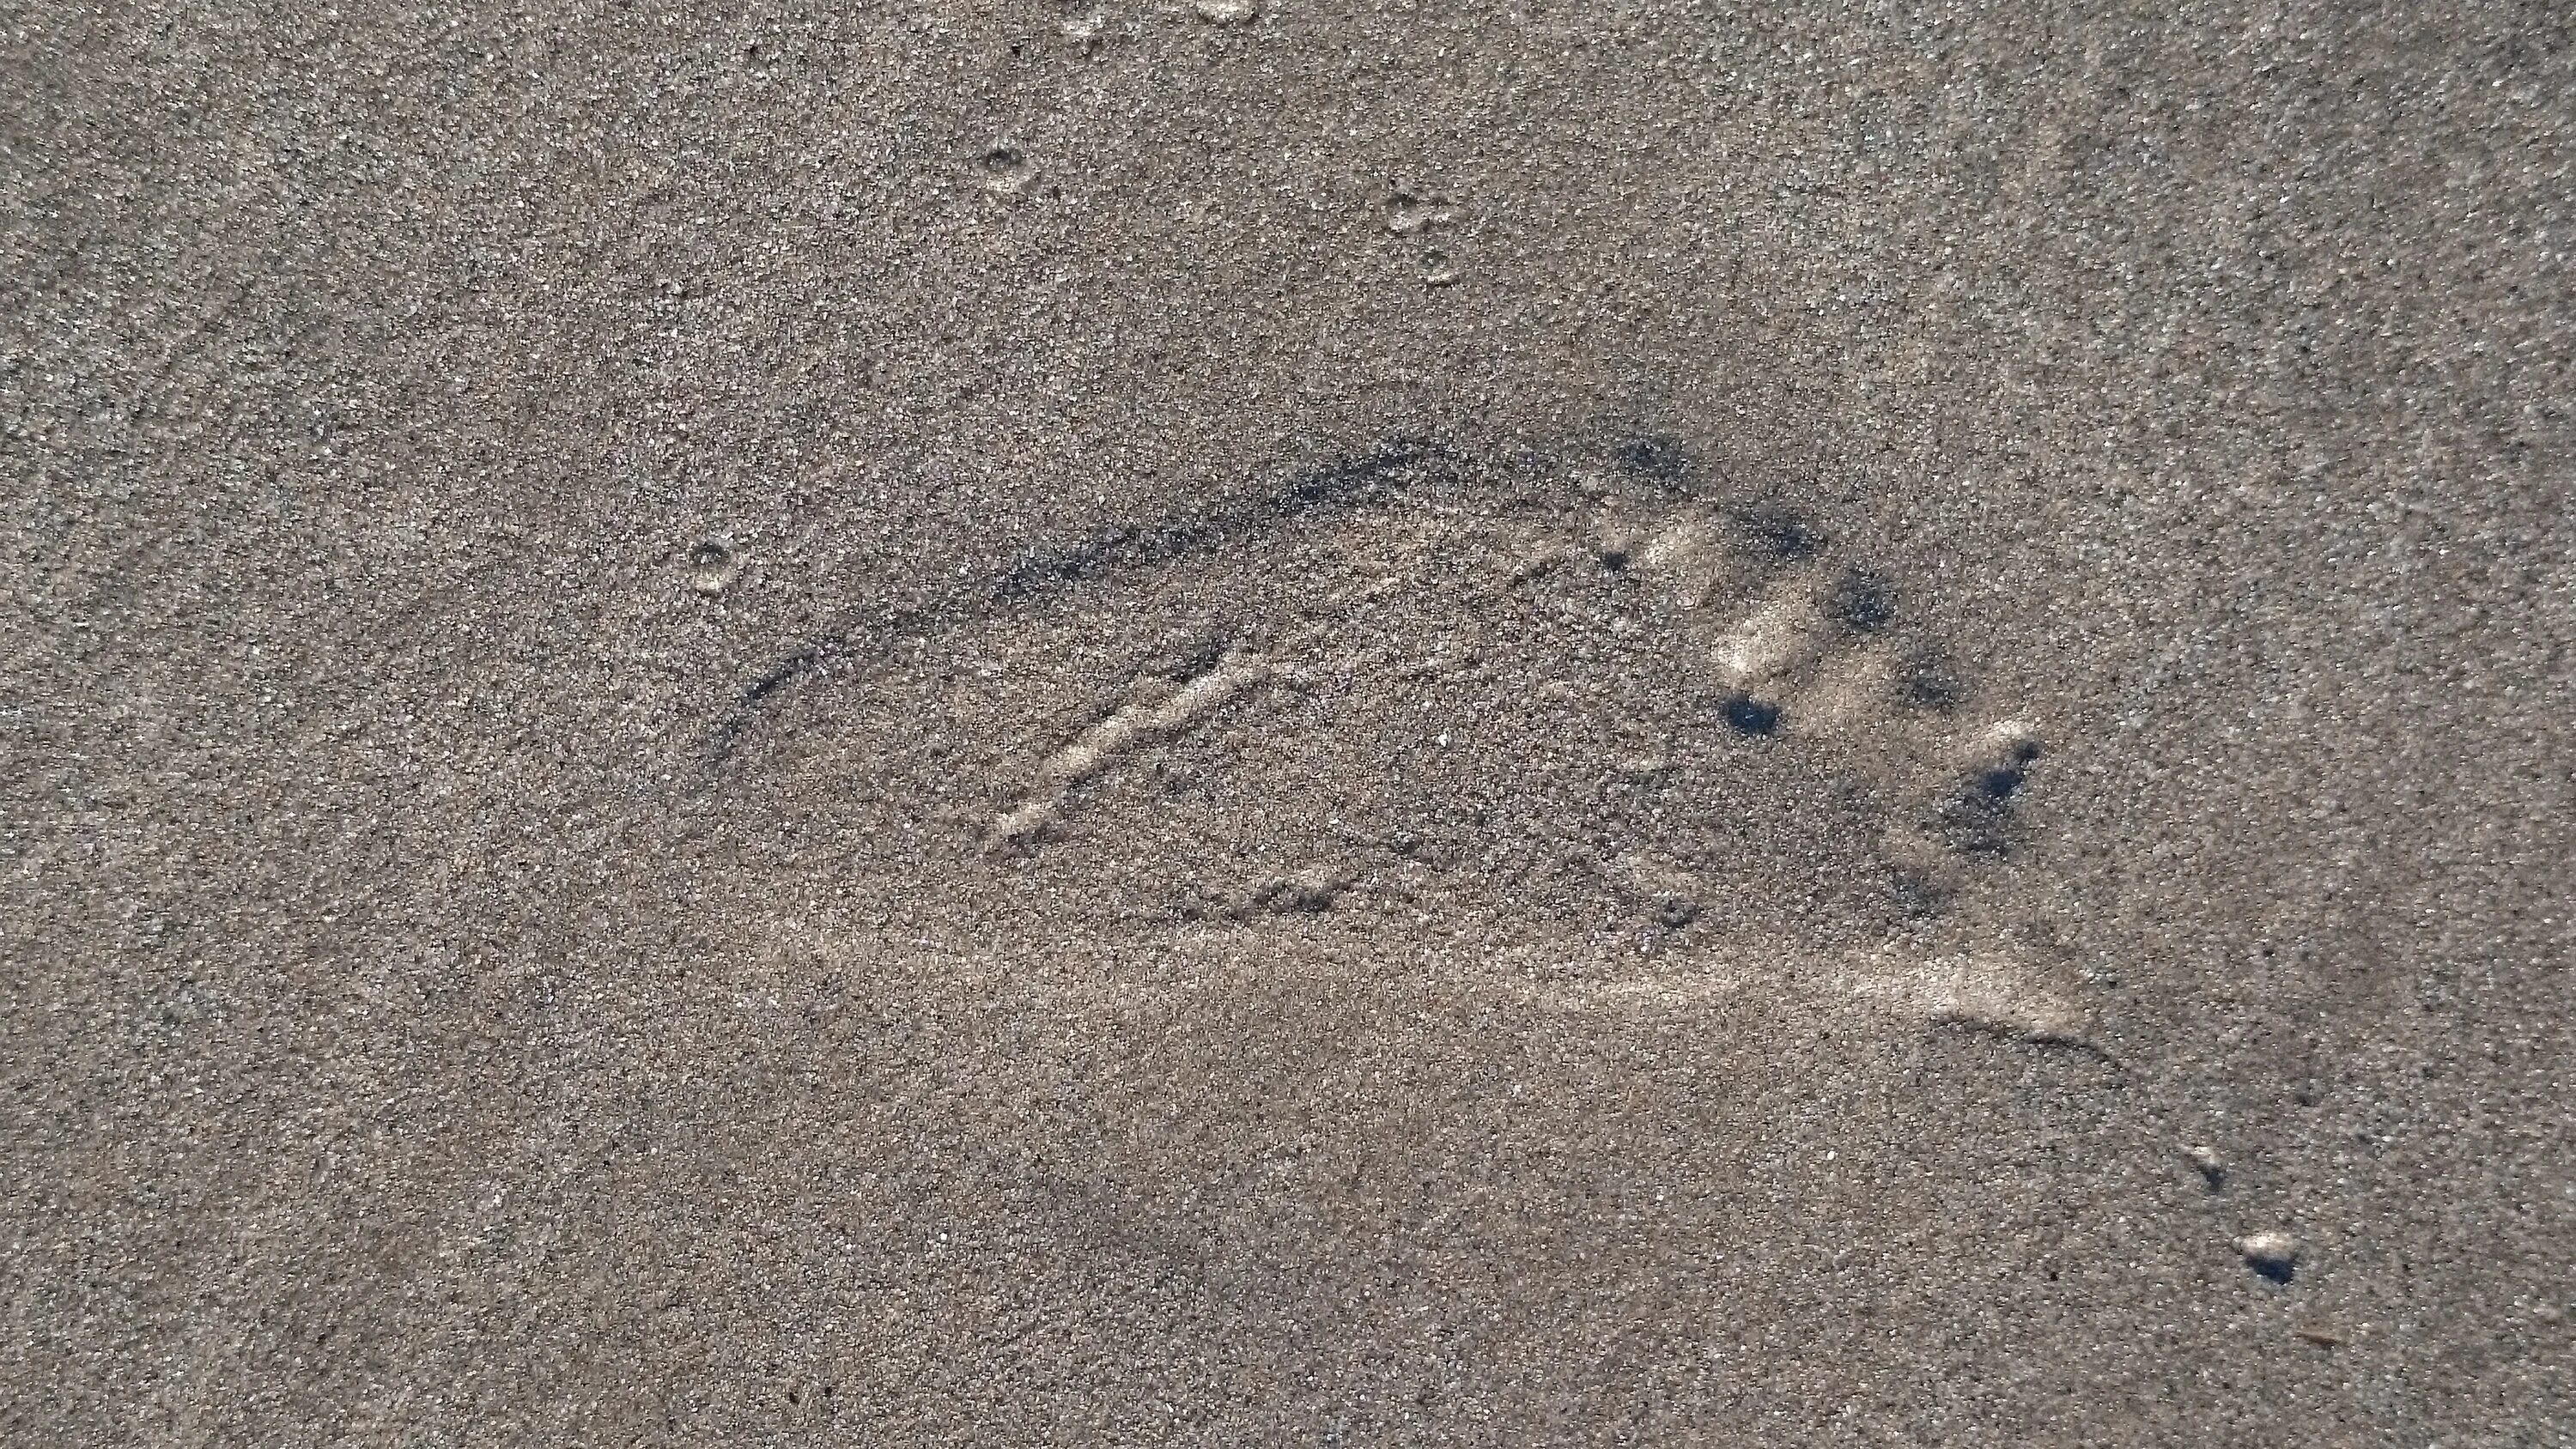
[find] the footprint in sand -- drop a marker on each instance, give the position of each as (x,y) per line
(1589,707)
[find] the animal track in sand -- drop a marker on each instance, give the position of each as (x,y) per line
(1602,704)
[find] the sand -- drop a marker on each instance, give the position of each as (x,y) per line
(1287,723)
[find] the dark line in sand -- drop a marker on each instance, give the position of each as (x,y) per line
(1347,483)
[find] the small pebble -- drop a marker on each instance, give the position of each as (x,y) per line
(712,566)
(2271,1254)
(2213,1169)
(1006,168)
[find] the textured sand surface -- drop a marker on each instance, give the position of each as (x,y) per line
(1288,723)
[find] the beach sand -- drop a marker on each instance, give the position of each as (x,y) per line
(1288,723)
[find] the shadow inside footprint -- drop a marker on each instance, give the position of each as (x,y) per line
(1976,815)
(1749,716)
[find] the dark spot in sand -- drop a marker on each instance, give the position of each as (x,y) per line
(1782,530)
(1864,600)
(1975,817)
(1747,715)
(1657,456)
(1928,678)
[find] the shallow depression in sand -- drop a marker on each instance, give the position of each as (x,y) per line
(1601,707)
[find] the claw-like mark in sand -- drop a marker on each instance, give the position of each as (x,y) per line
(1124,730)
